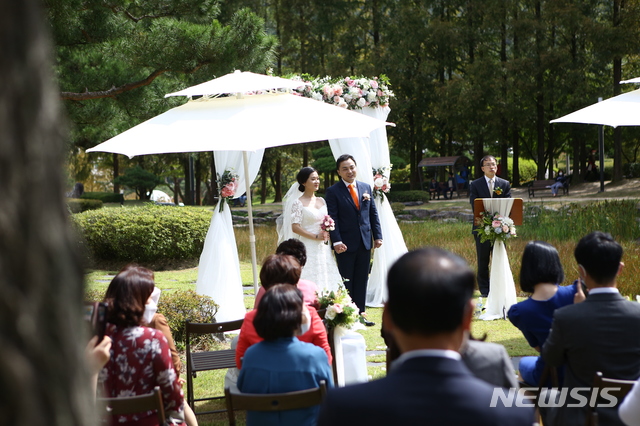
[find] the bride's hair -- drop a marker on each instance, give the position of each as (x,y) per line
(303,176)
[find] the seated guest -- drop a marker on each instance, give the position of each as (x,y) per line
(559,183)
(489,362)
(295,248)
(600,334)
(282,363)
(450,186)
(630,408)
(434,189)
(540,274)
(428,312)
(282,269)
(140,357)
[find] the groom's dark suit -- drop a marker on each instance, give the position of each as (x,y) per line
(600,334)
(479,189)
(357,228)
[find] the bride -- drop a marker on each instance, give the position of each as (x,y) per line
(302,213)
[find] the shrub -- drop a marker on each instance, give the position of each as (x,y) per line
(631,170)
(397,208)
(182,306)
(105,197)
(79,205)
(405,196)
(144,234)
(178,307)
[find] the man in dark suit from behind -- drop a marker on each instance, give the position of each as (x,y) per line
(428,311)
(600,334)
(487,186)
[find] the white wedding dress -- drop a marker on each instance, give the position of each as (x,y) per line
(321,267)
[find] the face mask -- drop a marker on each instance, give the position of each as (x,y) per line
(151,307)
(306,322)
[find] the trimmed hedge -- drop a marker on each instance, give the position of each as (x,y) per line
(144,234)
(406,196)
(79,205)
(105,197)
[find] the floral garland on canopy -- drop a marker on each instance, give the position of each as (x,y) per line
(351,93)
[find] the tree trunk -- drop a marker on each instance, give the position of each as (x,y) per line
(116,173)
(198,199)
(43,380)
(214,184)
(617,76)
(263,182)
(277,181)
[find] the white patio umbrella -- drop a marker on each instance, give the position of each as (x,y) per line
(621,110)
(238,82)
(240,123)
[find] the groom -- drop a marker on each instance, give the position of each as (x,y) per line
(488,186)
(350,205)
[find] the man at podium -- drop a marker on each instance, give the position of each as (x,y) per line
(488,186)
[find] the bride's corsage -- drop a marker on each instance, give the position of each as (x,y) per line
(327,224)
(366,196)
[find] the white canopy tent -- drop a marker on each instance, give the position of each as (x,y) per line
(621,110)
(236,123)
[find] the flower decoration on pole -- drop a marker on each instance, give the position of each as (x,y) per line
(494,226)
(227,185)
(350,93)
(341,311)
(328,225)
(381,183)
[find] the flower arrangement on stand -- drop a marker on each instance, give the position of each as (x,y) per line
(327,225)
(227,186)
(350,93)
(494,226)
(341,311)
(381,183)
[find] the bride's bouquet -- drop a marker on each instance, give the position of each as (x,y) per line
(341,311)
(328,225)
(494,226)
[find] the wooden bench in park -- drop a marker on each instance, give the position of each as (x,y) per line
(545,185)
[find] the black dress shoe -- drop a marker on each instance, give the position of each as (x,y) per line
(367,323)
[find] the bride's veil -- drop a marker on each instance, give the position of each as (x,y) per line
(283,223)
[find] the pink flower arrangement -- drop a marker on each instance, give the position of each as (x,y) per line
(381,183)
(494,226)
(327,225)
(227,185)
(348,92)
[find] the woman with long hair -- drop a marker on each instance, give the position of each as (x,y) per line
(303,213)
(140,356)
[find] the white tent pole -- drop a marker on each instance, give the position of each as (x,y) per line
(252,236)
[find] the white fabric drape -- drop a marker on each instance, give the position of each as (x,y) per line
(369,154)
(502,288)
(219,267)
(351,357)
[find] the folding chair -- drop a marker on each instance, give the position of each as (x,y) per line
(134,404)
(273,401)
(616,388)
(208,360)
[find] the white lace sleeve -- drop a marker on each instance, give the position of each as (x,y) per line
(296,212)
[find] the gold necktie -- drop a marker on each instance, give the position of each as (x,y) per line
(354,195)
